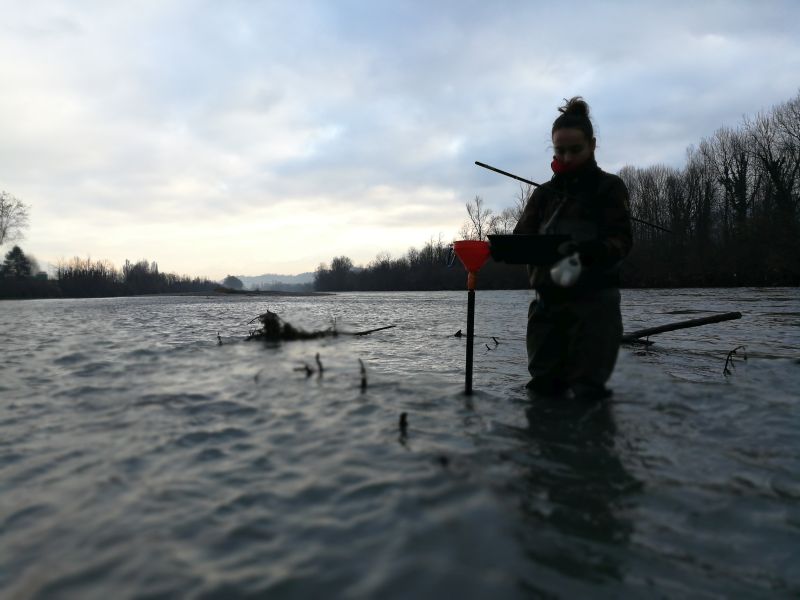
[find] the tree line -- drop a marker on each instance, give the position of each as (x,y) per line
(732,211)
(732,208)
(433,267)
(20,276)
(87,278)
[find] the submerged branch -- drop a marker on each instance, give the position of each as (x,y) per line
(275,329)
(368,331)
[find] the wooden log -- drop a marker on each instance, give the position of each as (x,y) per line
(368,331)
(630,337)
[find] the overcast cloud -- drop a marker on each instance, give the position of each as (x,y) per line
(251,137)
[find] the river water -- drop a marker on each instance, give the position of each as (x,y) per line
(141,459)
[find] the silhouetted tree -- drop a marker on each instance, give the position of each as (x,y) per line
(87,278)
(733,208)
(232,282)
(481,221)
(16,264)
(13,217)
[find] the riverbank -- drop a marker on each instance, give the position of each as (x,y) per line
(221,292)
(226,291)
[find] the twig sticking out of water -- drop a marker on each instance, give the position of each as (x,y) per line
(729,359)
(363,376)
(319,364)
(403,425)
(487,347)
(644,344)
(458,334)
(219,339)
(494,339)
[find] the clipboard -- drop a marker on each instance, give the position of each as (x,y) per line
(526,249)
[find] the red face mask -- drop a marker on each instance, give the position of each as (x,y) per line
(560,168)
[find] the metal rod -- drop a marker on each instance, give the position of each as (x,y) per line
(533,183)
(507,174)
(470,336)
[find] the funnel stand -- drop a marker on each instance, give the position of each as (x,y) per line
(473,255)
(470,336)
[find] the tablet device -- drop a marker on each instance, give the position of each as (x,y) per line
(526,249)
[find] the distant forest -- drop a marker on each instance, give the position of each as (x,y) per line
(85,278)
(732,210)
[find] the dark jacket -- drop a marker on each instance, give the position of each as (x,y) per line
(589,205)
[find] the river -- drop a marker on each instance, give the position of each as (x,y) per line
(139,458)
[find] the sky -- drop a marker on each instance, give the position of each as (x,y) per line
(251,137)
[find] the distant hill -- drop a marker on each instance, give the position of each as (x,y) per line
(273,279)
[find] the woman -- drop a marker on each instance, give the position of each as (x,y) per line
(574,332)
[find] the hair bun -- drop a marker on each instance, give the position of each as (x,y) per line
(575,106)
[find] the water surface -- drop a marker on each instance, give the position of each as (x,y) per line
(140,459)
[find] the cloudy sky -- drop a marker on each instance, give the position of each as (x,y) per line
(253,136)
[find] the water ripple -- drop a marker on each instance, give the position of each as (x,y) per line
(140,459)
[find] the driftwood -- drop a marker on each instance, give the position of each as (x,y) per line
(275,329)
(368,331)
(634,337)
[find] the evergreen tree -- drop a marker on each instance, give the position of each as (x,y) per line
(16,265)
(233,282)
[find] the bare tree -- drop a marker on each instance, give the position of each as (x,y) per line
(772,150)
(728,155)
(481,221)
(13,217)
(508,218)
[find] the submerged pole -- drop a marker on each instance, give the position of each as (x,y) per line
(470,338)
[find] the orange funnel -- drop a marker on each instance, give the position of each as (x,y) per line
(472,253)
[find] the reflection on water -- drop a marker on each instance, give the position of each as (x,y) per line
(574,494)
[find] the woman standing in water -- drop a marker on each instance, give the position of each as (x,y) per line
(574,332)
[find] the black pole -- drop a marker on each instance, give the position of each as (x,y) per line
(507,174)
(470,335)
(534,184)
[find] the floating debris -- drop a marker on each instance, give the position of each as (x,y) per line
(275,329)
(458,334)
(308,370)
